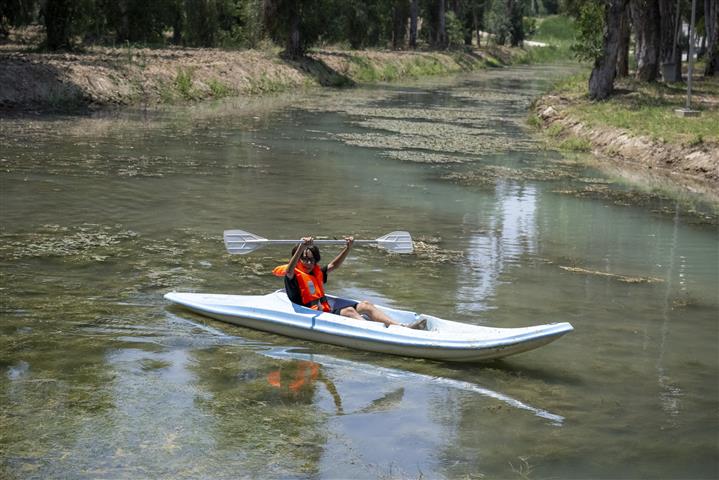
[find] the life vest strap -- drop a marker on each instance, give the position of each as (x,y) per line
(316,302)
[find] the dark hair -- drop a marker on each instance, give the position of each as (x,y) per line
(314,249)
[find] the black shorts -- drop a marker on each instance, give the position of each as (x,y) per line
(341,303)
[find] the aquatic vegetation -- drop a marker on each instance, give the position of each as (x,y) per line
(660,202)
(489,174)
(424,157)
(621,278)
(87,242)
(429,251)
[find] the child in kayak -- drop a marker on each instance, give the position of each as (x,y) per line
(305,279)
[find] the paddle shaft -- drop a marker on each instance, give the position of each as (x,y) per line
(296,242)
(239,241)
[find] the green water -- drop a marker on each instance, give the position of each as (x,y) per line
(103,214)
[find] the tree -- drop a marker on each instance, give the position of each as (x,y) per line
(624,40)
(711,23)
(669,54)
(498,21)
(296,23)
(441,40)
(590,25)
(58,16)
(645,17)
(400,12)
(516,23)
(601,80)
(15,13)
(477,8)
(413,13)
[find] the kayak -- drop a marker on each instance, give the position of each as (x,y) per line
(442,340)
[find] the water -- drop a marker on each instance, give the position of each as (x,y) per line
(101,215)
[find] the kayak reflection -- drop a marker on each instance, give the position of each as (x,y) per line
(296,380)
(349,369)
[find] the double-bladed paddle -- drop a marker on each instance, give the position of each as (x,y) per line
(239,241)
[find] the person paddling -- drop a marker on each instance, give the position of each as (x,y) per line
(305,279)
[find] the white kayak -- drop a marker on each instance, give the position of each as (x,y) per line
(443,340)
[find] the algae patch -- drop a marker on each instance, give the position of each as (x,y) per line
(621,278)
(428,250)
(86,242)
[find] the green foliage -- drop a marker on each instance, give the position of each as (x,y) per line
(590,32)
(555,29)
(576,144)
(265,84)
(219,89)
(498,22)
(364,23)
(558,33)
(184,84)
(455,30)
(530,26)
(297,24)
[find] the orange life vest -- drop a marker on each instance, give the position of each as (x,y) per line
(311,287)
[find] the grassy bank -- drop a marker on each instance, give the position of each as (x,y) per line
(638,129)
(557,33)
(648,109)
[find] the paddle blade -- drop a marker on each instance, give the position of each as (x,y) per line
(396,242)
(241,242)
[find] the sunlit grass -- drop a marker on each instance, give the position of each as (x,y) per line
(648,109)
(557,32)
(554,28)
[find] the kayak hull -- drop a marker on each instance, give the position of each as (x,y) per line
(443,340)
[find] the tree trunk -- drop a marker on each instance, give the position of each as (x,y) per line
(645,15)
(601,81)
(58,17)
(623,53)
(294,43)
(669,54)
(441,25)
(711,22)
(515,10)
(413,9)
(399,24)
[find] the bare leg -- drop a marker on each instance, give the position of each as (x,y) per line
(375,315)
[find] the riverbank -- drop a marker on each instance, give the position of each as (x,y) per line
(637,129)
(103,76)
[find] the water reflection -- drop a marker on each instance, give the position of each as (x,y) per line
(296,381)
(511,232)
(670,394)
(351,369)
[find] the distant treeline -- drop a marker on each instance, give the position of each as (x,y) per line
(607,30)
(293,24)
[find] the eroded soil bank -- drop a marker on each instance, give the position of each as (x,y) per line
(101,76)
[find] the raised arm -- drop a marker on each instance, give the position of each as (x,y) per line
(334,264)
(304,245)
